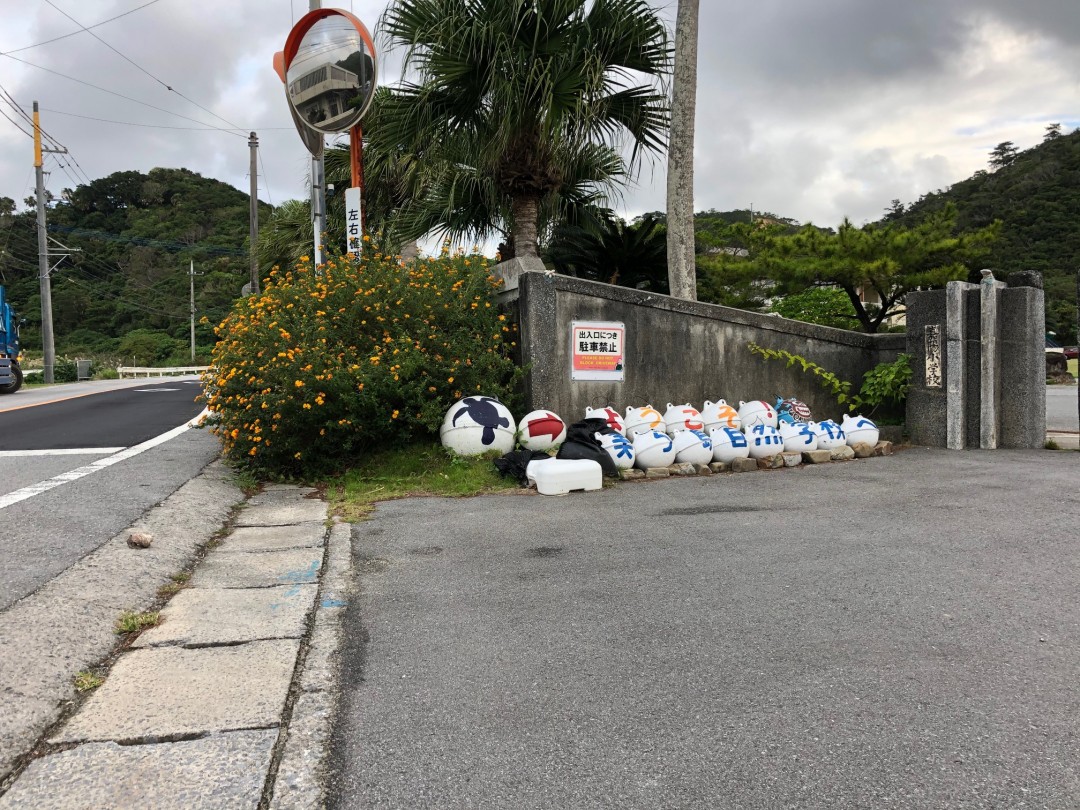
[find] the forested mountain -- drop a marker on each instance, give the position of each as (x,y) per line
(1036,195)
(135,235)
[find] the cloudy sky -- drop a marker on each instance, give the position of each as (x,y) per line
(814,111)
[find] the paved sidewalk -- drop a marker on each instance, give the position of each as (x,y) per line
(227,702)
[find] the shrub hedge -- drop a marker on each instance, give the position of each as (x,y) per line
(329,363)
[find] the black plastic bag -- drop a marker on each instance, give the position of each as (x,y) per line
(514,464)
(581,442)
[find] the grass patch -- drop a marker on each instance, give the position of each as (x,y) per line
(85,681)
(132,622)
(169,590)
(421,469)
(1073,366)
(181,578)
(1051,445)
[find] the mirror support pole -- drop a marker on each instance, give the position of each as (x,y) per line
(318,206)
(356,163)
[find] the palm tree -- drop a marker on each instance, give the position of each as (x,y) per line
(518,106)
(612,251)
(680,178)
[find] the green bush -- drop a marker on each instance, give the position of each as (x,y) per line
(65,370)
(145,347)
(320,368)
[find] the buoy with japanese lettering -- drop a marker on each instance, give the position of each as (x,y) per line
(798,437)
(859,429)
(764,441)
(474,425)
(609,415)
(620,448)
(541,430)
(653,449)
(682,417)
(692,447)
(756,412)
(829,435)
(792,411)
(719,414)
(642,420)
(728,444)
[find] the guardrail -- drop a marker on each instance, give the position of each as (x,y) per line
(147,371)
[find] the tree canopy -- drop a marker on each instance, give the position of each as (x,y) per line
(513,109)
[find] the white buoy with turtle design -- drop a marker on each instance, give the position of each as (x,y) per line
(474,425)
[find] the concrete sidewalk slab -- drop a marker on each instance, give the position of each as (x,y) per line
(282,493)
(157,693)
(224,770)
(283,513)
(207,616)
(275,538)
(259,569)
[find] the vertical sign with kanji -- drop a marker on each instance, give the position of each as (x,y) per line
(353,232)
(596,350)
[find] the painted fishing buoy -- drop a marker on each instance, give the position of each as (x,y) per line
(719,414)
(859,429)
(682,417)
(541,430)
(728,444)
(643,420)
(609,415)
(798,437)
(756,412)
(620,448)
(474,425)
(653,449)
(692,447)
(764,441)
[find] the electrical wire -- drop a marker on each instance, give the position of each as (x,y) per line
(266,180)
(121,95)
(149,126)
(140,67)
(7,97)
(17,125)
(74,33)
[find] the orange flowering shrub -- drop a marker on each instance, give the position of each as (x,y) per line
(323,366)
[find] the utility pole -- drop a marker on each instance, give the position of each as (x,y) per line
(191,278)
(48,344)
(253,143)
(318,181)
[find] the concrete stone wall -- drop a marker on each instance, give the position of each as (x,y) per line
(677,351)
(1015,413)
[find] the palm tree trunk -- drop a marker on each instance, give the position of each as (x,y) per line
(526,210)
(680,175)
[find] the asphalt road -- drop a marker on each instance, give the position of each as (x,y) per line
(43,533)
(898,632)
(115,418)
(1061,412)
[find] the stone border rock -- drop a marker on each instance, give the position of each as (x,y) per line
(300,780)
(777,462)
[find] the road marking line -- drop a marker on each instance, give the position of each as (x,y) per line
(96,466)
(153,390)
(67,451)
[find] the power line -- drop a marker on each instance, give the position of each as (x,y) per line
(266,180)
(140,67)
(121,95)
(16,124)
(74,33)
(151,126)
(7,97)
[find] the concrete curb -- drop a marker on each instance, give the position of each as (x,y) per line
(67,625)
(229,701)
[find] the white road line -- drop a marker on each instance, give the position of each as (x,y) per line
(67,451)
(95,466)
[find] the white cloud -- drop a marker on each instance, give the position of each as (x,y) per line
(811,110)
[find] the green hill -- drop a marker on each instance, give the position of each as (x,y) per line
(1036,195)
(134,236)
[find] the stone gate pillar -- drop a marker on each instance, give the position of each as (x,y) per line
(978,372)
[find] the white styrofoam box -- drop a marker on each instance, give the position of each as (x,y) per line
(558,476)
